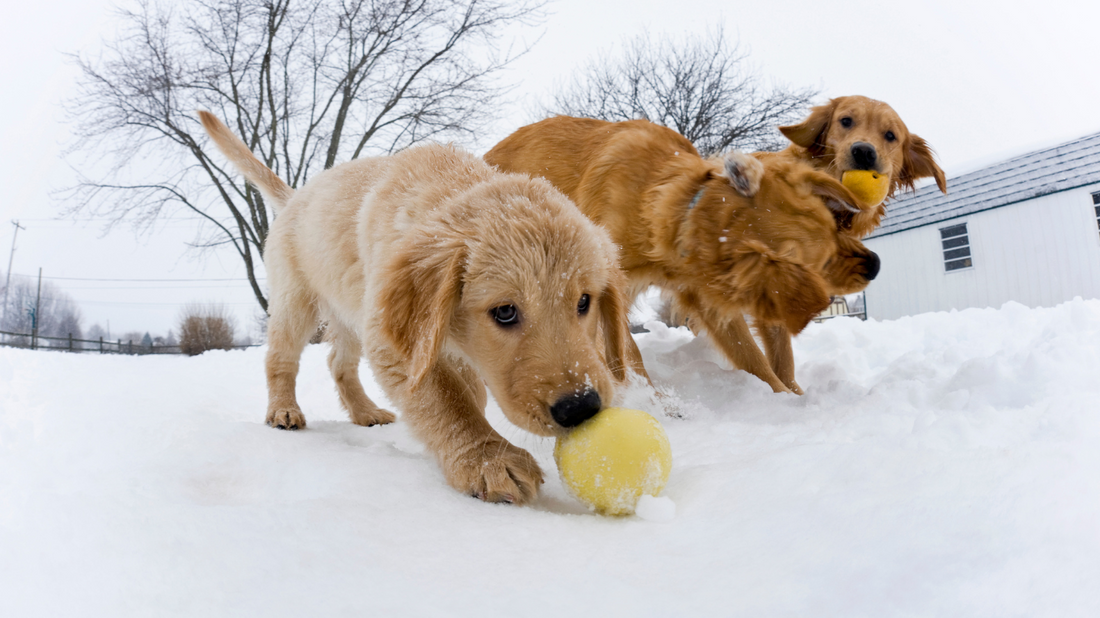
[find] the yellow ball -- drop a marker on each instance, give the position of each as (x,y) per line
(613,459)
(870,187)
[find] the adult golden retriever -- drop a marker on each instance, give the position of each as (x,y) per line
(689,225)
(859,133)
(449,275)
(851,133)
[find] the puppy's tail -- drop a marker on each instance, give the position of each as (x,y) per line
(276,192)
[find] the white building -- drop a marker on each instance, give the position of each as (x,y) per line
(1026,230)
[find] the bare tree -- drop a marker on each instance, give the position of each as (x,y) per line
(58,315)
(702,87)
(305,84)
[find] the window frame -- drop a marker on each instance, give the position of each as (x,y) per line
(1096,208)
(955,248)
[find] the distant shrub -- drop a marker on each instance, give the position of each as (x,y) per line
(205,327)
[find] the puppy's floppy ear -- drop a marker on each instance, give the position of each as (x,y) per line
(778,290)
(423,288)
(919,162)
(615,324)
(810,133)
(848,213)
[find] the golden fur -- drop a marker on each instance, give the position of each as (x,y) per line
(719,253)
(824,141)
(410,260)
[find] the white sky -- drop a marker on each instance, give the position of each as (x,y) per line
(981,81)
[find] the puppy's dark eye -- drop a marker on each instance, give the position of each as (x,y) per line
(846,122)
(890,136)
(582,306)
(505,315)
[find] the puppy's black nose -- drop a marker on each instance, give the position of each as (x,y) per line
(576,408)
(864,155)
(872,264)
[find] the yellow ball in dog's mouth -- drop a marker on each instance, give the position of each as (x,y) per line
(869,187)
(614,458)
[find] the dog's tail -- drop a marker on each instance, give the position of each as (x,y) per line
(276,192)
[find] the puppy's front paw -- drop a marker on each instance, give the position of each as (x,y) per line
(286,417)
(744,172)
(496,472)
(370,418)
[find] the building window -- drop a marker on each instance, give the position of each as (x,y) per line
(956,247)
(1096,205)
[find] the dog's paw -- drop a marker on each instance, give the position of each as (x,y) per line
(744,172)
(286,418)
(497,472)
(369,418)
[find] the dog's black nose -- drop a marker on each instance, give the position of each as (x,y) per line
(872,264)
(576,408)
(864,155)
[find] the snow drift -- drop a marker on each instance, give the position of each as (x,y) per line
(943,464)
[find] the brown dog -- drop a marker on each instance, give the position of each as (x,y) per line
(851,133)
(450,276)
(858,133)
(687,225)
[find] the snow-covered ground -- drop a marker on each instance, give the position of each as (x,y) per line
(939,465)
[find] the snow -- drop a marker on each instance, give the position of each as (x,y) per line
(945,464)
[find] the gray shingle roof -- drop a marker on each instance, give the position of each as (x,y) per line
(1066,166)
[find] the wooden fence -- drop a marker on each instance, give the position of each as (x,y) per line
(70,344)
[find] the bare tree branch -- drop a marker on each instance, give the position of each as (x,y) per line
(305,84)
(699,86)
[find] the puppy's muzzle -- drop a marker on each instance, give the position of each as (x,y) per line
(864,156)
(872,264)
(575,408)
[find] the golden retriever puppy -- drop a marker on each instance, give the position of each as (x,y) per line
(858,133)
(688,225)
(449,275)
(851,133)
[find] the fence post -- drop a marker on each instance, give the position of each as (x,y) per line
(70,342)
(101,344)
(119,346)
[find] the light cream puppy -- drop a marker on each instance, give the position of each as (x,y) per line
(449,276)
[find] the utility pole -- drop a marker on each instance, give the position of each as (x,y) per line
(7,284)
(37,301)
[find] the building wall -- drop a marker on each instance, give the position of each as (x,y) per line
(1040,252)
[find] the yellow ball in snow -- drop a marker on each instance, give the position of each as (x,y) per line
(613,459)
(870,187)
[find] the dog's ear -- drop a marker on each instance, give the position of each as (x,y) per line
(743,172)
(810,133)
(779,291)
(615,323)
(422,291)
(919,162)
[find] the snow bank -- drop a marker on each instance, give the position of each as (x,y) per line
(944,464)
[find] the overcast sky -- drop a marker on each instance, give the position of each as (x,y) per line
(981,81)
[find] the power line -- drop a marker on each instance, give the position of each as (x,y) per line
(239,280)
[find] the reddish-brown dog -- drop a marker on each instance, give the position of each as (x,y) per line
(689,225)
(851,133)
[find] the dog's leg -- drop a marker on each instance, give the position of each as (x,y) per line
(293,321)
(447,413)
(777,345)
(475,384)
(734,339)
(343,362)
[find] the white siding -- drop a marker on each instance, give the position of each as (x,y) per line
(1040,252)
